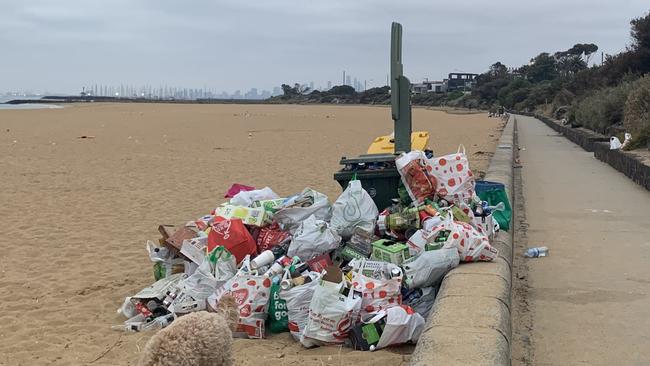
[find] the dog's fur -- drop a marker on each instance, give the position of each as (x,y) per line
(196,339)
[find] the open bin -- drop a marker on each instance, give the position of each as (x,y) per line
(377,173)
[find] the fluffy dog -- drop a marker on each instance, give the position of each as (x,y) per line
(195,339)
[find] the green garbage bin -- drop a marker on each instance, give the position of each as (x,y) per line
(378,176)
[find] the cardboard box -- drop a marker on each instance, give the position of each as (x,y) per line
(270,206)
(176,239)
(389,251)
(195,249)
(248,215)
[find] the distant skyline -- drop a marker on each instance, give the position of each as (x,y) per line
(63,46)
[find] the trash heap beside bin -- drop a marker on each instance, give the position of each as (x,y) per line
(362,271)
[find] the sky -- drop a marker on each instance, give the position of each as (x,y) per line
(60,46)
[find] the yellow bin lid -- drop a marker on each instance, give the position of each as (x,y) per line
(386,145)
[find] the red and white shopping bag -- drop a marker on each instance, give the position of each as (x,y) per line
(454,177)
(472,245)
(377,294)
(251,292)
(233,235)
(331,314)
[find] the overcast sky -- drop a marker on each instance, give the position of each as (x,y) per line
(63,45)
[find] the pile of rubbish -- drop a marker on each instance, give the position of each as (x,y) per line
(341,273)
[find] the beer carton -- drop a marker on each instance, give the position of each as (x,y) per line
(248,215)
(390,251)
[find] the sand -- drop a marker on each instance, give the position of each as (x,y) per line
(77,212)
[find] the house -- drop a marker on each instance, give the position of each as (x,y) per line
(429,87)
(461,81)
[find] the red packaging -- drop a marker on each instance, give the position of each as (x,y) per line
(319,263)
(233,235)
(271,236)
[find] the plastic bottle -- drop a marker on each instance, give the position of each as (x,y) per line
(536,252)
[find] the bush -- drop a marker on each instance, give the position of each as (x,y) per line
(637,108)
(602,109)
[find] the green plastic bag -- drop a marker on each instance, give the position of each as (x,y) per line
(278,316)
(493,193)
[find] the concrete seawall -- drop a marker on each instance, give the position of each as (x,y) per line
(470,322)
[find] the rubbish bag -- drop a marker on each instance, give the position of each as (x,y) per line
(377,294)
(454,177)
(313,237)
(236,188)
(331,314)
(353,208)
(614,143)
(246,198)
(308,202)
(164,263)
(278,316)
(493,193)
(423,302)
(416,175)
(251,292)
(298,299)
(402,325)
(428,268)
(233,235)
(472,246)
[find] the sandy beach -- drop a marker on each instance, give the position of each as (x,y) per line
(76,212)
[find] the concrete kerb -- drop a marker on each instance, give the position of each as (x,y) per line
(470,322)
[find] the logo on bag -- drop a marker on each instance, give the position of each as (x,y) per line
(223,229)
(240,295)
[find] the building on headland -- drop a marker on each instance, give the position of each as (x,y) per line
(456,81)
(461,81)
(429,86)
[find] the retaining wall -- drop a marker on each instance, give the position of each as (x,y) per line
(470,322)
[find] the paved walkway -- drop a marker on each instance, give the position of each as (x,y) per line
(589,298)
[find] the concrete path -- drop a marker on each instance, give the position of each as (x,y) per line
(589,299)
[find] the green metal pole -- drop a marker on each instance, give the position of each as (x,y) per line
(400,93)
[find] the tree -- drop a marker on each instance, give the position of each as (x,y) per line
(541,68)
(640,32)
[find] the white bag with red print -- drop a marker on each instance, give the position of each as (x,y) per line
(331,314)
(455,179)
(251,293)
(472,246)
(377,294)
(298,299)
(415,170)
(402,325)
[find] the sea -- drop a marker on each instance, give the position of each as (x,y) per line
(4,99)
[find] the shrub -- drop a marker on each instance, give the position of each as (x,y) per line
(602,109)
(637,108)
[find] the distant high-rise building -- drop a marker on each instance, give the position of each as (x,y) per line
(277,91)
(311,85)
(329,85)
(347,80)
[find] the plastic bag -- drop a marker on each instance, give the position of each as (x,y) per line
(331,314)
(164,263)
(233,235)
(353,208)
(313,237)
(402,325)
(298,299)
(422,301)
(271,236)
(246,198)
(471,245)
(614,143)
(377,294)
(428,268)
(278,315)
(454,177)
(251,292)
(308,202)
(494,193)
(416,175)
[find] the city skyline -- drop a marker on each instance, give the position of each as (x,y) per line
(231,45)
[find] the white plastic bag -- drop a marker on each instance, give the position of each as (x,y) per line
(415,171)
(377,294)
(472,246)
(454,177)
(290,217)
(614,143)
(331,314)
(354,208)
(298,299)
(251,292)
(402,325)
(246,198)
(428,268)
(313,237)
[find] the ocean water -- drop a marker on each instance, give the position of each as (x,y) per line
(4,99)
